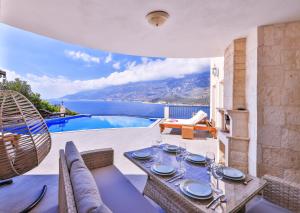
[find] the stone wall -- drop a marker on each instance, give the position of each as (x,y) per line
(234,64)
(251,98)
(278,106)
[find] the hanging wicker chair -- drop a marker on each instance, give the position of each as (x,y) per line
(24,137)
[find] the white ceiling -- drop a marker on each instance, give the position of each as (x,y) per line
(196,28)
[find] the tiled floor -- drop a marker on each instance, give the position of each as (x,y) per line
(26,187)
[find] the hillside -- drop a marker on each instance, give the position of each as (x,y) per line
(192,89)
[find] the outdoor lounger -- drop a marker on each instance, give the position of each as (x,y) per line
(198,122)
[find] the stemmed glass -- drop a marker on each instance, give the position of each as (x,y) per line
(210,159)
(217,172)
(159,140)
(155,150)
(180,156)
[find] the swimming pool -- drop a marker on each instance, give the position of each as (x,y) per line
(84,122)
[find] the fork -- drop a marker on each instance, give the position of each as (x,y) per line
(247,181)
(223,199)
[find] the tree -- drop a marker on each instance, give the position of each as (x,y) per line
(35,98)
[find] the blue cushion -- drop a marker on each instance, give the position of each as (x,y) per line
(260,205)
(86,194)
(72,154)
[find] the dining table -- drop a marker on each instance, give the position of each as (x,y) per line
(169,196)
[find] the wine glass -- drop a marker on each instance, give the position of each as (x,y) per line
(182,146)
(154,150)
(217,172)
(210,159)
(159,140)
(180,154)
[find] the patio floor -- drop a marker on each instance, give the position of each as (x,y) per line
(26,187)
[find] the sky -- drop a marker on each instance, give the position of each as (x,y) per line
(54,68)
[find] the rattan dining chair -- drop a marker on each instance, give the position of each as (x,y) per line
(24,138)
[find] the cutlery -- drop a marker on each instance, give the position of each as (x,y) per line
(178,183)
(214,200)
(176,178)
(171,178)
(247,181)
(223,199)
(215,205)
(147,161)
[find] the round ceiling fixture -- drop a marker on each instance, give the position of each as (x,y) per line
(157,18)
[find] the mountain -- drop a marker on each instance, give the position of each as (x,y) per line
(191,89)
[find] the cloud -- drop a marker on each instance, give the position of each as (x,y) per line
(59,86)
(108,58)
(145,60)
(117,65)
(79,55)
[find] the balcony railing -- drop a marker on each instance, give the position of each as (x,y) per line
(183,112)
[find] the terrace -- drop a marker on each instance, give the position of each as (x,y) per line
(255,101)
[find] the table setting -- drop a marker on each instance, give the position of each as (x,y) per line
(197,179)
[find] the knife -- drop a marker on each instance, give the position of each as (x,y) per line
(175,176)
(214,200)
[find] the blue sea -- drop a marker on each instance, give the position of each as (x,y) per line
(138,109)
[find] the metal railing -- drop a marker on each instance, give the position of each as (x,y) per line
(183,111)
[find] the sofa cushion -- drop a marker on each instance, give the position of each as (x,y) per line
(118,193)
(260,205)
(87,197)
(72,154)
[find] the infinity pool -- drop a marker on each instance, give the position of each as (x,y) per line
(82,122)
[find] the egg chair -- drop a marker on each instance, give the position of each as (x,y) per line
(24,138)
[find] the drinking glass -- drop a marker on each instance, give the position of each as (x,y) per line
(182,146)
(210,159)
(180,154)
(159,140)
(155,150)
(217,172)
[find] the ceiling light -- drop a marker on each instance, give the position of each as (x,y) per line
(157,18)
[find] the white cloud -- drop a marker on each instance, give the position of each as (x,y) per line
(145,60)
(117,65)
(152,70)
(108,58)
(78,55)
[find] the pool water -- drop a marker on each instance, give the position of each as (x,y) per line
(82,122)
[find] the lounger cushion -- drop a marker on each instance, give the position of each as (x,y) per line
(261,205)
(72,154)
(118,193)
(87,197)
(198,117)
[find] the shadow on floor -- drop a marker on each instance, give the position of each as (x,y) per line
(25,189)
(200,135)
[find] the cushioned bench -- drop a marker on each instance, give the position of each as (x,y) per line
(89,182)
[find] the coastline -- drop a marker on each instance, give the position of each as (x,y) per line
(126,101)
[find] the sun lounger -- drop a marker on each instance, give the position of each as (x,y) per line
(198,121)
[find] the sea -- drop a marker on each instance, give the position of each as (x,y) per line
(138,109)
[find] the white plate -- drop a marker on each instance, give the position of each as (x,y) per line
(232,173)
(170,148)
(162,169)
(141,154)
(237,179)
(195,158)
(207,189)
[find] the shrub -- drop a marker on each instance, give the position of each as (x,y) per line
(35,98)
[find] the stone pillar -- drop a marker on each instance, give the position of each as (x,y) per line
(278,110)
